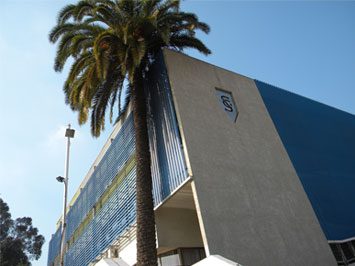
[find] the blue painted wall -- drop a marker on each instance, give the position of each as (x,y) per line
(320,141)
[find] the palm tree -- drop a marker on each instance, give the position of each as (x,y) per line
(111,42)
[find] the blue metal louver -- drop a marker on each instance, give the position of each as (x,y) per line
(169,168)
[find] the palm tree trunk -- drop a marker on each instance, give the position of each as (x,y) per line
(146,241)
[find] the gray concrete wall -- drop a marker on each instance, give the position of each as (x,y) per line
(177,228)
(253,207)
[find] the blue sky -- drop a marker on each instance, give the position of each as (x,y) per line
(303,46)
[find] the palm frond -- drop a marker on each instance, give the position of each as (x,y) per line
(106,15)
(83,8)
(124,106)
(63,51)
(80,43)
(65,14)
(59,30)
(172,5)
(100,101)
(183,41)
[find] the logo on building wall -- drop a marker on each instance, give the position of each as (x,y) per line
(226,101)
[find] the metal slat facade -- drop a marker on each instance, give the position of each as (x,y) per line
(168,162)
(95,231)
(54,245)
(118,153)
(109,223)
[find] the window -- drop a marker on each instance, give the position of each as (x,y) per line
(344,252)
(181,257)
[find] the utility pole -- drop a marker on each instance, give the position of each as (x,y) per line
(69,133)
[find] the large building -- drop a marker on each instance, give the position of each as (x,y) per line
(241,169)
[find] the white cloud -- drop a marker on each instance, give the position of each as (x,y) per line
(56,139)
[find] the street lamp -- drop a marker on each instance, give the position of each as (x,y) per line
(69,133)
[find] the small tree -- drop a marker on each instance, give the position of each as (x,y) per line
(19,240)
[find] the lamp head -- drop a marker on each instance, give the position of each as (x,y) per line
(69,132)
(60,179)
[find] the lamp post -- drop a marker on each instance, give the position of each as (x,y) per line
(69,133)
